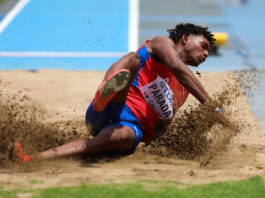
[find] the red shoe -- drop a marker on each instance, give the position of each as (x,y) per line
(19,154)
(116,82)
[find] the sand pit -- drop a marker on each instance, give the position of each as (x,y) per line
(60,100)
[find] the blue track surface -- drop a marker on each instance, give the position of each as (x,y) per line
(66,26)
(245,26)
(102,26)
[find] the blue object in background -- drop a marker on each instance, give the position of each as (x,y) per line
(66,26)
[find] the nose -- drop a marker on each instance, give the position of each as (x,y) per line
(206,53)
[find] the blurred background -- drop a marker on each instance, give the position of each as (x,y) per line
(91,35)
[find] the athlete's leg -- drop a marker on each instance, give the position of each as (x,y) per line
(110,138)
(117,81)
(131,62)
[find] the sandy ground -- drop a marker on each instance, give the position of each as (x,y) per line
(65,95)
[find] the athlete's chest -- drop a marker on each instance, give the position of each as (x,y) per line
(161,90)
(158,95)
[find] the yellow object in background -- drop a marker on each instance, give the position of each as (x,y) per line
(221,38)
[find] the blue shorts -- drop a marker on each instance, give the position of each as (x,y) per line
(115,114)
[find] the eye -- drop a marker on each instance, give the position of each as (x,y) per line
(205,46)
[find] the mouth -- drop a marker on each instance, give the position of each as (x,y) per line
(202,59)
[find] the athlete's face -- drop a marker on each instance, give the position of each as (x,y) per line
(196,48)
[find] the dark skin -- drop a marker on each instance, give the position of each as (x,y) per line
(190,50)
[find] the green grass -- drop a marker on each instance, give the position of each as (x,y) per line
(9,194)
(34,181)
(253,187)
(1,1)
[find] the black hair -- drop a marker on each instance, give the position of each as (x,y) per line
(188,28)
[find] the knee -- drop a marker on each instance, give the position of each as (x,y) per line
(133,62)
(122,140)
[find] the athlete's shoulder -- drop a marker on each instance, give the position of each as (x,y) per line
(161,39)
(159,43)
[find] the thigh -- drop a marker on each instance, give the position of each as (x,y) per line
(116,121)
(96,121)
(128,131)
(121,136)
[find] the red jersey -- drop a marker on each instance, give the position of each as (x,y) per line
(153,94)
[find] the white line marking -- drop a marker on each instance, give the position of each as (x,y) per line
(12,14)
(63,54)
(133,24)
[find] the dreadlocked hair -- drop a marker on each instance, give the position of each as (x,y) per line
(188,28)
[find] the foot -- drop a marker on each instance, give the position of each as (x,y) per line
(18,154)
(116,82)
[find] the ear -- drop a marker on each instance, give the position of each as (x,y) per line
(184,39)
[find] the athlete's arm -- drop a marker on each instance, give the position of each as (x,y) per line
(164,49)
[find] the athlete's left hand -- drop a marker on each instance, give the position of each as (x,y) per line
(231,124)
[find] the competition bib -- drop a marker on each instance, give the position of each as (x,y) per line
(158,95)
